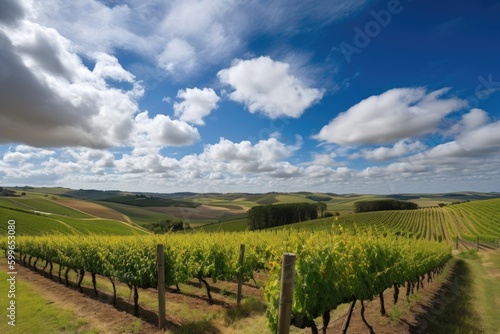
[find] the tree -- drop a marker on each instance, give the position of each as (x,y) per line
(322,208)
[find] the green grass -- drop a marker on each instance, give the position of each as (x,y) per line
(35,314)
(33,224)
(45,205)
(148,202)
(138,215)
(470,299)
(12,202)
(102,226)
(228,226)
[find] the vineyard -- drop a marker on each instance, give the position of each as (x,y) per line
(41,216)
(466,220)
(331,269)
(340,260)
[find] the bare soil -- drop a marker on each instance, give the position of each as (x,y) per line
(92,209)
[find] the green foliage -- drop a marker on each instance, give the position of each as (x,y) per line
(260,217)
(383,204)
(319,198)
(167,225)
(7,192)
(149,201)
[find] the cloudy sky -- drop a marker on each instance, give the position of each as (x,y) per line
(245,96)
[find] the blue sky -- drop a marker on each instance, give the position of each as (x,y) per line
(229,96)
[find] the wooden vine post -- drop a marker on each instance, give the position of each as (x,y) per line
(240,276)
(161,285)
(456,243)
(286,293)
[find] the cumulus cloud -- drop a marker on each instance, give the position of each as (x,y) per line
(11,11)
(177,55)
(392,116)
(49,98)
(270,150)
(164,131)
(470,121)
(325,159)
(401,148)
(484,137)
(266,86)
(22,153)
(197,104)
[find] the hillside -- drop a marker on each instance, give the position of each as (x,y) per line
(105,212)
(37,214)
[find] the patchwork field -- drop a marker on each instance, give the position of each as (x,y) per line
(93,209)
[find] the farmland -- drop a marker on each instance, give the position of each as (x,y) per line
(436,225)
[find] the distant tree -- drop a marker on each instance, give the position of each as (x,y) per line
(265,216)
(321,208)
(383,204)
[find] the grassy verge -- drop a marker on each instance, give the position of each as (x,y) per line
(469,301)
(35,314)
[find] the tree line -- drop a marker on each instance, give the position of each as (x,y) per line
(265,216)
(383,204)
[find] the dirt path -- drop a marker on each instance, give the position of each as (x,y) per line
(104,317)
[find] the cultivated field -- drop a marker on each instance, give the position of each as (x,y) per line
(471,311)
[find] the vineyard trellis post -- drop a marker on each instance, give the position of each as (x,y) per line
(240,278)
(286,293)
(161,285)
(456,243)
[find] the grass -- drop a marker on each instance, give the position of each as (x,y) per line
(138,215)
(469,301)
(148,202)
(228,226)
(45,205)
(102,226)
(33,224)
(34,312)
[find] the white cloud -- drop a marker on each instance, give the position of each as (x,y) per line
(266,86)
(401,148)
(107,66)
(470,121)
(394,115)
(22,153)
(178,36)
(326,159)
(66,104)
(197,104)
(270,150)
(164,131)
(178,55)
(485,137)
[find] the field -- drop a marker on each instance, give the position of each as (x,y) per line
(40,215)
(188,312)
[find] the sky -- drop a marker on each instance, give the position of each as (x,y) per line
(341,96)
